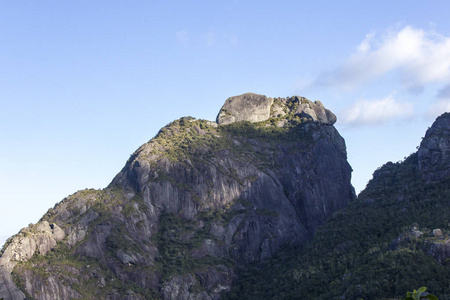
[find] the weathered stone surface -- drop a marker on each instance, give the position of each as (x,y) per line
(247,107)
(8,290)
(440,250)
(316,111)
(178,288)
(434,150)
(48,288)
(41,237)
(437,233)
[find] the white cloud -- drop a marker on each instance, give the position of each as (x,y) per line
(376,111)
(365,44)
(417,56)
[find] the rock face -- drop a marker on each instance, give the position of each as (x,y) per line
(440,250)
(434,151)
(256,108)
(40,239)
(189,206)
(247,107)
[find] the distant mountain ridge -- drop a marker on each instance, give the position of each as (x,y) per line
(189,207)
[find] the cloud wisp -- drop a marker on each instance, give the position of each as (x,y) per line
(439,107)
(417,56)
(210,38)
(182,37)
(376,112)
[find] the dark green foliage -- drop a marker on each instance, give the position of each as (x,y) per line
(187,138)
(175,239)
(198,140)
(352,255)
(266,131)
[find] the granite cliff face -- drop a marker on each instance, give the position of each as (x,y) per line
(188,207)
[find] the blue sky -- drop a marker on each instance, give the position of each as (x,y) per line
(84,83)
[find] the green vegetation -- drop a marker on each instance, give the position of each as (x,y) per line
(420,294)
(176,239)
(190,140)
(353,255)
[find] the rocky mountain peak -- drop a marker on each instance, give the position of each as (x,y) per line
(434,150)
(257,108)
(189,207)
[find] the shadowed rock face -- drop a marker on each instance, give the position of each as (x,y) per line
(434,151)
(256,108)
(190,205)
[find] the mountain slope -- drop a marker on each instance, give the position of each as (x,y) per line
(395,237)
(192,204)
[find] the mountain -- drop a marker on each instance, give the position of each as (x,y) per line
(393,238)
(190,209)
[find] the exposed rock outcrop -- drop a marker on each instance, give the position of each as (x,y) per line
(434,151)
(190,205)
(247,107)
(406,238)
(435,244)
(39,238)
(440,250)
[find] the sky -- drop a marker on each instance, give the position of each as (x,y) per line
(84,83)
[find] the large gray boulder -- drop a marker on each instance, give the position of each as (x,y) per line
(246,107)
(316,111)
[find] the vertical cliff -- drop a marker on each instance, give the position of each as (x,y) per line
(434,150)
(189,206)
